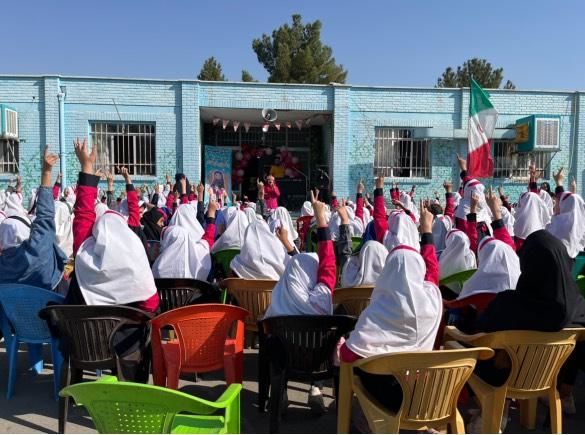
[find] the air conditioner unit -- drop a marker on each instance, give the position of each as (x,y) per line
(538,133)
(8,122)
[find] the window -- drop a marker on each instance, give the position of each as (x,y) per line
(121,144)
(8,156)
(398,155)
(508,163)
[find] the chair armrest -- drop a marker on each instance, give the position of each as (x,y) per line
(108,380)
(228,396)
(579,331)
(454,333)
(482,352)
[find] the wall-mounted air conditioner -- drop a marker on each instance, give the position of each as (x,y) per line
(538,133)
(8,122)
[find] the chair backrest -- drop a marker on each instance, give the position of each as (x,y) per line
(303,227)
(430,382)
(308,341)
(579,264)
(126,407)
(88,329)
(21,305)
(152,249)
(179,292)
(224,258)
(202,331)
(479,301)
(354,299)
(536,357)
(253,295)
(459,277)
(356,243)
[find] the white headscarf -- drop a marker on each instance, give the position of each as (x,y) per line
(457,256)
(298,292)
(365,268)
(3,196)
(356,226)
(409,204)
(2,216)
(441,226)
(404,312)
(182,255)
(546,198)
(569,225)
(367,217)
(263,256)
(283,216)
(162,196)
(251,214)
(100,208)
(13,232)
(463,208)
(111,266)
(307,209)
(32,200)
(531,215)
(508,219)
(64,228)
(498,269)
(14,206)
(401,231)
(186,217)
(233,236)
(70,198)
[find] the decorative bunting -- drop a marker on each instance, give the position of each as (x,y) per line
(265,128)
(308,122)
(225,123)
(246,126)
(215,121)
(277,126)
(288,124)
(299,123)
(236,125)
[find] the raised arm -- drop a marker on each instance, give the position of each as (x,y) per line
(359,201)
(500,231)
(344,242)
(427,247)
(380,219)
(449,200)
(57,187)
(209,235)
(132,199)
(326,273)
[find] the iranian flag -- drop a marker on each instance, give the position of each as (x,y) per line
(482,121)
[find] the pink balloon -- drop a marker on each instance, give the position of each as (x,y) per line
(240,173)
(239,155)
(295,160)
(268,151)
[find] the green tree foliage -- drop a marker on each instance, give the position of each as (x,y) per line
(295,54)
(481,71)
(211,71)
(247,77)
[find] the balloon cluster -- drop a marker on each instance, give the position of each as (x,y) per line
(290,162)
(243,158)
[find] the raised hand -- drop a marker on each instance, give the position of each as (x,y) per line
(426,218)
(212,208)
(559,177)
(379,182)
(49,160)
(200,191)
(474,203)
(501,191)
(398,204)
(573,185)
(448,186)
(168,178)
(360,186)
(183,183)
(85,157)
(494,203)
(462,163)
(126,175)
(343,215)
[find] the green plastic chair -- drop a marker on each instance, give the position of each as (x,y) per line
(356,242)
(579,265)
(127,407)
(224,258)
(581,284)
(459,277)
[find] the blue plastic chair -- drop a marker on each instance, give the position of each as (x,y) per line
(20,323)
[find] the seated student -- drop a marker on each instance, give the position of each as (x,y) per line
(404,312)
(28,252)
(236,223)
(63,228)
(307,209)
(280,217)
(401,231)
(457,257)
(306,286)
(262,256)
(443,220)
(531,215)
(111,266)
(185,246)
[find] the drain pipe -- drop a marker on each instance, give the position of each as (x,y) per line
(62,158)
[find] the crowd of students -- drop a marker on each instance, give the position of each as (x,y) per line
(98,250)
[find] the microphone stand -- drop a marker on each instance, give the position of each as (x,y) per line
(306,182)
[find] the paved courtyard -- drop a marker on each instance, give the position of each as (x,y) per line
(33,410)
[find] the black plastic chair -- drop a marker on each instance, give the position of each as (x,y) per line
(296,347)
(180,292)
(89,337)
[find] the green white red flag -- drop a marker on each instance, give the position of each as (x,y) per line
(482,121)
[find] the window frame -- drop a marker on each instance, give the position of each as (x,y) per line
(8,146)
(386,139)
(517,173)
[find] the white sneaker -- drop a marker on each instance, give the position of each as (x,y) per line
(316,402)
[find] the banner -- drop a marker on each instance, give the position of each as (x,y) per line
(218,172)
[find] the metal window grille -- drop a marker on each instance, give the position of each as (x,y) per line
(508,163)
(124,144)
(398,155)
(8,156)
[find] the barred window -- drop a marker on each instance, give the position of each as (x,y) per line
(508,163)
(8,156)
(124,144)
(398,155)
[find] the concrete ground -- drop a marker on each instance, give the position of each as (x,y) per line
(32,409)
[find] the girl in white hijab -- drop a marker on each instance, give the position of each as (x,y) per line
(531,215)
(263,256)
(306,209)
(498,269)
(356,225)
(457,257)
(546,198)
(569,224)
(64,228)
(250,214)
(472,187)
(282,216)
(365,268)
(14,207)
(233,236)
(401,231)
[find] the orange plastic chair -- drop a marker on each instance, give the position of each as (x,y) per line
(303,227)
(201,345)
(354,299)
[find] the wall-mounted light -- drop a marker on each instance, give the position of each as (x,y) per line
(63,89)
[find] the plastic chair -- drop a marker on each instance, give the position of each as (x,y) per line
(354,299)
(179,292)
(459,277)
(305,344)
(581,284)
(20,323)
(579,264)
(87,333)
(224,258)
(126,407)
(202,343)
(431,383)
(254,295)
(356,243)
(303,227)
(536,359)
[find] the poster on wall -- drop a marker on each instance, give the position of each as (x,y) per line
(218,172)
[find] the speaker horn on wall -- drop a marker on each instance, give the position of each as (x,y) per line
(269,115)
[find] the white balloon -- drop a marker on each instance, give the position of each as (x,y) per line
(295,160)
(268,151)
(288,172)
(240,172)
(239,155)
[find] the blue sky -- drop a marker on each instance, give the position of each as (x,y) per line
(403,43)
